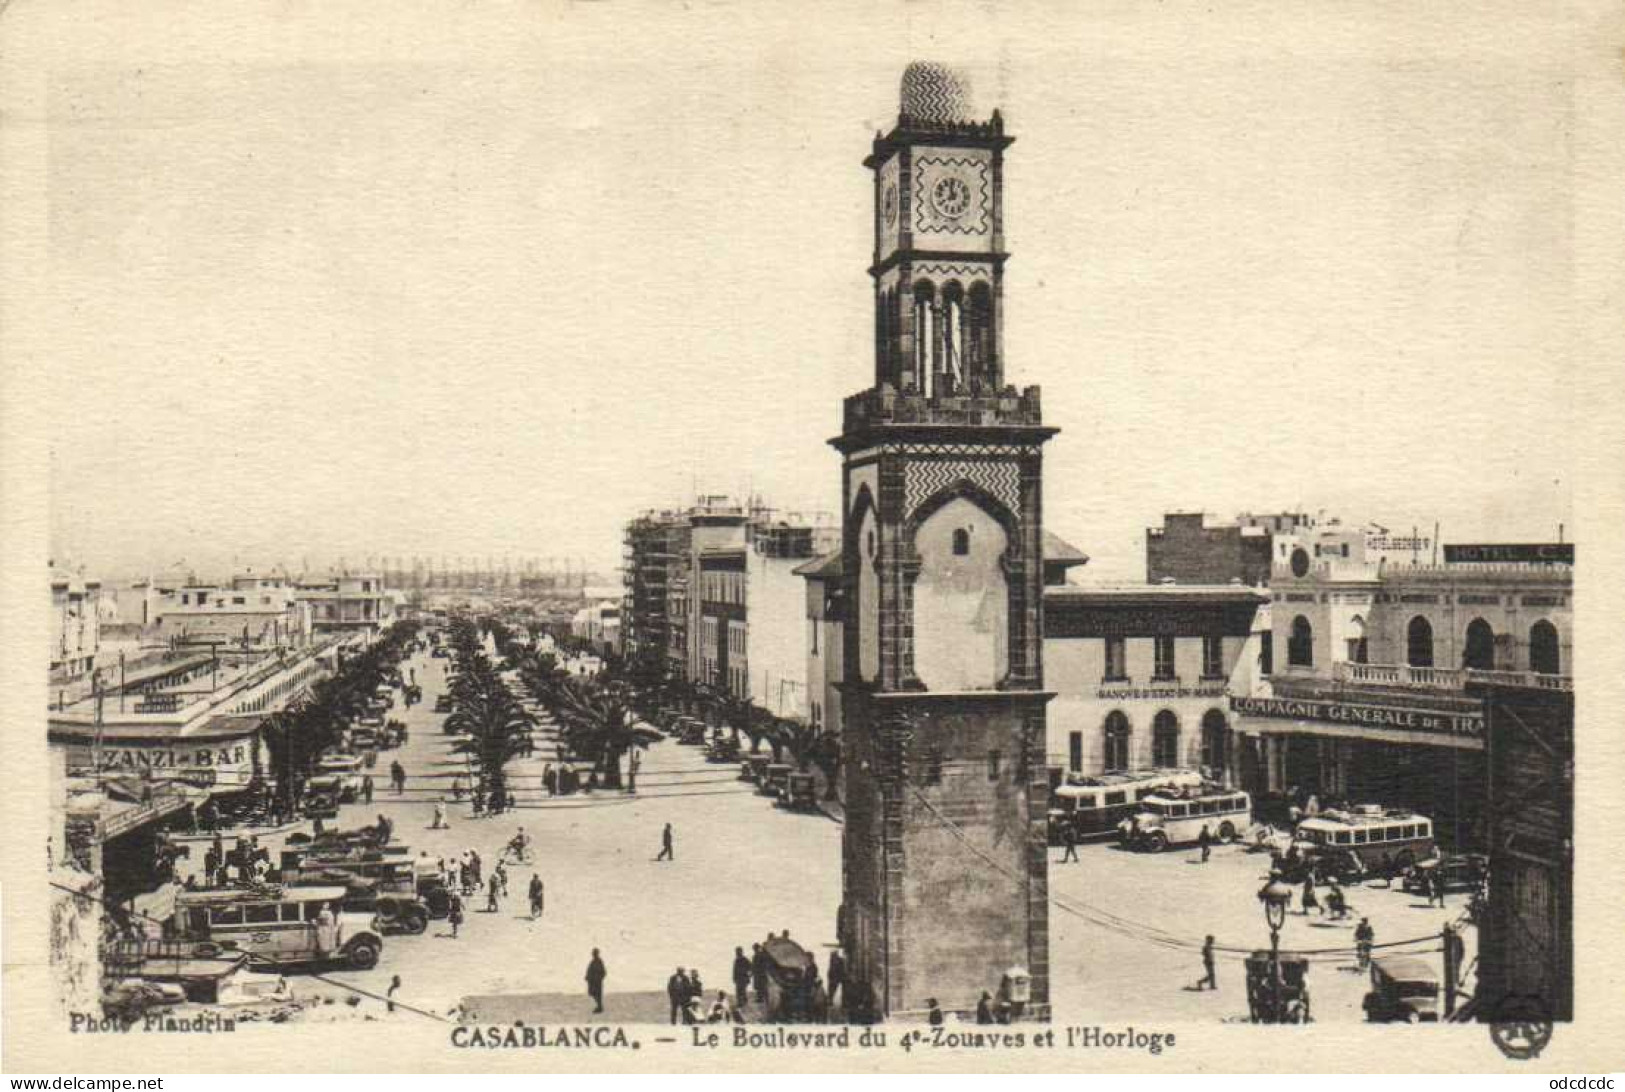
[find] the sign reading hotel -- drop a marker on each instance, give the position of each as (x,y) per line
(1370,716)
(1510,553)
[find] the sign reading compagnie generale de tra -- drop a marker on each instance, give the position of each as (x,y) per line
(1373,716)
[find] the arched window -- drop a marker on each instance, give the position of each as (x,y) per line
(1215,756)
(1480,653)
(1419,642)
(1117,741)
(1300,647)
(927,336)
(961,542)
(1165,739)
(1544,655)
(952,340)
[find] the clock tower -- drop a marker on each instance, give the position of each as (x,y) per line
(944,850)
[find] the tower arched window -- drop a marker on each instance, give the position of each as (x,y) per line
(1117,741)
(1545,657)
(951,341)
(1300,646)
(1165,739)
(979,363)
(926,335)
(1480,652)
(1419,642)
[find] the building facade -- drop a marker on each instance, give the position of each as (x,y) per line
(75,624)
(1369,696)
(1142,675)
(945,872)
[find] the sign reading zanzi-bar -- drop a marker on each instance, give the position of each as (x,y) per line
(1520,552)
(1375,716)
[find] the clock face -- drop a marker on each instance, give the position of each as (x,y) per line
(888,204)
(950,197)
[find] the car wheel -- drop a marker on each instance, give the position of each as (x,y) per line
(415,921)
(362,955)
(1157,842)
(1227,832)
(1410,1016)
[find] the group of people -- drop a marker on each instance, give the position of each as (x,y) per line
(687,996)
(246,862)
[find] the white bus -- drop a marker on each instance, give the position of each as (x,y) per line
(1176,817)
(1093,806)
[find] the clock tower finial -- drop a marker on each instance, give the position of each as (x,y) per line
(945,869)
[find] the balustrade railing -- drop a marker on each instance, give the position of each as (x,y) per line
(1442,678)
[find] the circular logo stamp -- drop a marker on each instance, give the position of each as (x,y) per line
(1521,1026)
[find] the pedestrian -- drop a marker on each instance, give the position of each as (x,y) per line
(211,865)
(758,969)
(1069,838)
(550,780)
(454,913)
(666,853)
(397,774)
(741,975)
(536,896)
(500,876)
(719,1013)
(1437,887)
(837,973)
(1205,840)
(1309,899)
(935,1017)
(677,992)
(439,816)
(695,989)
(474,861)
(394,984)
(1364,937)
(596,973)
(492,890)
(1210,978)
(366,788)
(984,1008)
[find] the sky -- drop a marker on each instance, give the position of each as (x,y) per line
(448,280)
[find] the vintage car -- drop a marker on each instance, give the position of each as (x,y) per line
(1462,872)
(1283,1001)
(273,925)
(800,792)
(322,797)
(775,780)
(345,770)
(385,889)
(691,731)
(758,767)
(725,749)
(1404,989)
(794,993)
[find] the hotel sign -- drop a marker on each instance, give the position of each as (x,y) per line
(1508,553)
(1368,716)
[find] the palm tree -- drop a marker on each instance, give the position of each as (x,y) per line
(797,738)
(599,724)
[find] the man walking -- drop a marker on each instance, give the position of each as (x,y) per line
(366,788)
(1437,887)
(666,853)
(394,984)
(596,973)
(1069,838)
(742,972)
(492,890)
(1210,978)
(536,896)
(677,992)
(397,774)
(1205,840)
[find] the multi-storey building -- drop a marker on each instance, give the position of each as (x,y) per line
(1365,691)
(647,565)
(76,624)
(253,609)
(348,603)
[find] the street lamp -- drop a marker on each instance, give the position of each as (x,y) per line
(1275,896)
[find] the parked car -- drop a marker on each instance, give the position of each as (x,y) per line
(1404,989)
(1462,872)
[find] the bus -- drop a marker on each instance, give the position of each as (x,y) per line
(1176,817)
(1093,806)
(1376,840)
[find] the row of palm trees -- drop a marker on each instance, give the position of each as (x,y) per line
(601,719)
(656,687)
(313,724)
